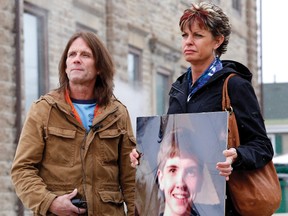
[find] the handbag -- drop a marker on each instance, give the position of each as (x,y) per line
(253,192)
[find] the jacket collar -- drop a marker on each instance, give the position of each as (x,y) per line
(105,116)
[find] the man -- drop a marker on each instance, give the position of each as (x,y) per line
(76,140)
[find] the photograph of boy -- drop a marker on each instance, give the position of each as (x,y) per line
(180,176)
(177,175)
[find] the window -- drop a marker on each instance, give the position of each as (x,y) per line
(236,4)
(272,138)
(163,82)
(35,54)
(134,65)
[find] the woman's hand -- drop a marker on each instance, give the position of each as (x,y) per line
(225,168)
(134,157)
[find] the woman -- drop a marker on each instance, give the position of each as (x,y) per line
(205,36)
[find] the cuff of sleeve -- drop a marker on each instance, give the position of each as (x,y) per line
(238,162)
(46,203)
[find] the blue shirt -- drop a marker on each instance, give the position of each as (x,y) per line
(85,110)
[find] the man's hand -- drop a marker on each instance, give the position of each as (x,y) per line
(62,205)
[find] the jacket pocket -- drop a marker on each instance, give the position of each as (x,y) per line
(60,146)
(66,133)
(112,203)
(111,197)
(109,133)
(109,145)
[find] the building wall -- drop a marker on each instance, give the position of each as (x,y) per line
(7,105)
(151,26)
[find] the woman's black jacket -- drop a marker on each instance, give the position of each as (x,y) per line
(255,150)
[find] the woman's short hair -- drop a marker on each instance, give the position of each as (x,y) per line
(210,17)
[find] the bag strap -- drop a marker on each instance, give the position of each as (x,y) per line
(233,133)
(226,104)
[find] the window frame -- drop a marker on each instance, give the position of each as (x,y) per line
(236,5)
(163,72)
(42,42)
(135,52)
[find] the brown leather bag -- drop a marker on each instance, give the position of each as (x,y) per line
(253,192)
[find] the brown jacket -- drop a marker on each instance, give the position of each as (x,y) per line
(55,155)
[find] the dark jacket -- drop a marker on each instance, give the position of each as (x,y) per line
(256,149)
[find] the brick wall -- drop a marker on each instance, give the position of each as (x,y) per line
(118,23)
(7,105)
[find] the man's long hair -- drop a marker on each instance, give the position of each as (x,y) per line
(104,85)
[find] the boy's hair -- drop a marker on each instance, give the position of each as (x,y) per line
(177,143)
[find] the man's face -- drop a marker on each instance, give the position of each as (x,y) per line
(80,64)
(179,181)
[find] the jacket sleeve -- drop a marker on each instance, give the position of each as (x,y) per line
(127,172)
(29,186)
(255,148)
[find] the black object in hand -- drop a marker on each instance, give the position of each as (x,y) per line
(79,203)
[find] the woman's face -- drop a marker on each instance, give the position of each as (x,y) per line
(198,45)
(179,180)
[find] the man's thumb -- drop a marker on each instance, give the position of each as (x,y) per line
(73,193)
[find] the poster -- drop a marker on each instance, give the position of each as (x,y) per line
(177,173)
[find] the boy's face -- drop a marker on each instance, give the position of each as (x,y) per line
(179,181)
